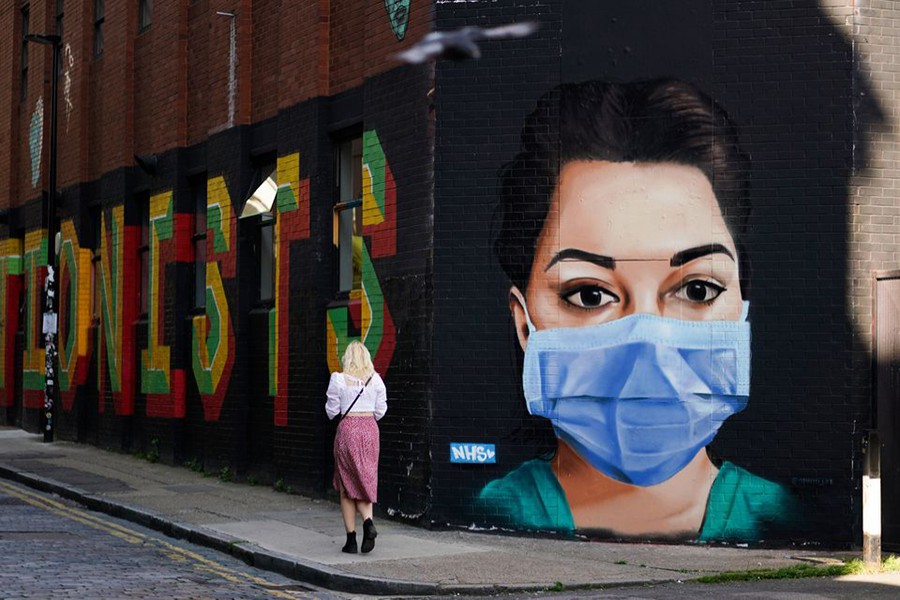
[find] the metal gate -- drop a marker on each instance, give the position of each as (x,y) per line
(887,400)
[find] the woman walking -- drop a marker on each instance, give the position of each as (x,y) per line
(358,397)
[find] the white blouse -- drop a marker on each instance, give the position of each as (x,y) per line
(343,388)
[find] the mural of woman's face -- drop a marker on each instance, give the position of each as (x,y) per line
(627,238)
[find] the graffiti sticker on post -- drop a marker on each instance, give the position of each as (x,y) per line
(463,452)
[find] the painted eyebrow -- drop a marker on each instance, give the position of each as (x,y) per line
(686,256)
(606,262)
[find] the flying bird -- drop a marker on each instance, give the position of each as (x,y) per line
(461,44)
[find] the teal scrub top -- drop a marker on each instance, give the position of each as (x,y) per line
(742,507)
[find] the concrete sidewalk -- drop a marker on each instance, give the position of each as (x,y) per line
(302,538)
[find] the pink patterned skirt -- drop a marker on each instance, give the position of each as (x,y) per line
(356,447)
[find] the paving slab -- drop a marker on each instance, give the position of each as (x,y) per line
(311,545)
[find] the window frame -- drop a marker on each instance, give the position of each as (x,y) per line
(198,240)
(348,152)
(96,265)
(266,225)
(99,19)
(143,254)
(145,15)
(264,165)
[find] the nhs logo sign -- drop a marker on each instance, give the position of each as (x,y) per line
(461,452)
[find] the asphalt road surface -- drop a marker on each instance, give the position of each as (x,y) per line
(52,548)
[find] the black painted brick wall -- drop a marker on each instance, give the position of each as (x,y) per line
(479,107)
(807,108)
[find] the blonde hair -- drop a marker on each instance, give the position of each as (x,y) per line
(357,361)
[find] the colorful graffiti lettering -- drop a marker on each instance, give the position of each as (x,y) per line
(291,223)
(379,198)
(33,359)
(155,357)
(117,310)
(368,318)
(398,13)
(164,387)
(74,314)
(10,288)
(212,339)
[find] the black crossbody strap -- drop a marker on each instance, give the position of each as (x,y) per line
(355,399)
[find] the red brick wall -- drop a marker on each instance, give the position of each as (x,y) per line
(77,54)
(362,42)
(199,101)
(160,80)
(347,48)
(110,104)
(272,42)
(168,86)
(382,44)
(39,57)
(166,89)
(9,102)
(77,61)
(75,58)
(208,46)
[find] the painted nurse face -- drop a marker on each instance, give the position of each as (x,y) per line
(627,238)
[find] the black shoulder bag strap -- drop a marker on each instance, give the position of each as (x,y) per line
(355,399)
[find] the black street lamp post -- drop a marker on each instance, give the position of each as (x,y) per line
(50,313)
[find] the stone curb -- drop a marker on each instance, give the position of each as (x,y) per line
(304,571)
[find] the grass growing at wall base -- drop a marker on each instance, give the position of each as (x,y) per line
(152,455)
(853,567)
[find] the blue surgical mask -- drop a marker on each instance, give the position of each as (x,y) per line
(638,397)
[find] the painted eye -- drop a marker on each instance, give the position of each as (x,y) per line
(589,296)
(699,291)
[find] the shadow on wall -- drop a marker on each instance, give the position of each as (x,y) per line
(789,79)
(803,106)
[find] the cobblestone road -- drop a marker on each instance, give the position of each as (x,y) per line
(52,548)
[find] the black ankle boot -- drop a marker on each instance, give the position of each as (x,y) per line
(350,546)
(369,535)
